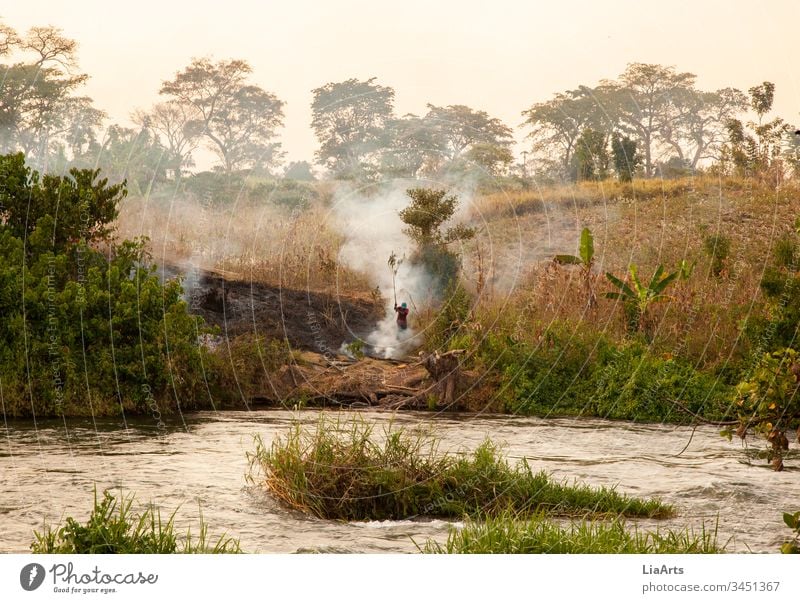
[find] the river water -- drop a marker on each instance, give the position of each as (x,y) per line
(48,472)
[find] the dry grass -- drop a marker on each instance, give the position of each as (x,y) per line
(261,243)
(664,222)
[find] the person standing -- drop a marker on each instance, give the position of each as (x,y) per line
(402,315)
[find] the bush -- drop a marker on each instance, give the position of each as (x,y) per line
(113,528)
(83,331)
(718,248)
(579,372)
(346,471)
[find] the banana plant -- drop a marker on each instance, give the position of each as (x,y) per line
(639,296)
(586,262)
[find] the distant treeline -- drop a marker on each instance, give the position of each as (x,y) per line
(650,121)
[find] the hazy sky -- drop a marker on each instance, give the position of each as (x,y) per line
(499,56)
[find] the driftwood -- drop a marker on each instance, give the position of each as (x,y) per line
(365,384)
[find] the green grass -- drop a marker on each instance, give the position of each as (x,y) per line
(113,527)
(347,470)
(538,535)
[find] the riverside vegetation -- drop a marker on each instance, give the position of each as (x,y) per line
(347,470)
(114,527)
(99,333)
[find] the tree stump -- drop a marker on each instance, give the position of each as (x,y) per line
(445,370)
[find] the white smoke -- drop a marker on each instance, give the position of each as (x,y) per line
(373,231)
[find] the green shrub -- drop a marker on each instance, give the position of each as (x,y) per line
(113,527)
(84,331)
(718,248)
(347,471)
(579,372)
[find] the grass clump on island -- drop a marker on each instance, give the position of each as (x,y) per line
(113,527)
(509,534)
(346,470)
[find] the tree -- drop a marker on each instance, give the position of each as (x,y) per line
(8,39)
(425,217)
(39,110)
(652,99)
(178,128)
(557,125)
(131,156)
(591,155)
(299,170)
(626,159)
(458,128)
(86,330)
(410,147)
(349,119)
(698,133)
(768,403)
(756,150)
(238,119)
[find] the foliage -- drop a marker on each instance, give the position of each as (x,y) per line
(80,207)
(509,534)
(768,404)
(429,210)
(648,108)
(41,111)
(348,471)
(83,331)
(299,170)
(132,156)
(792,520)
(718,248)
(459,128)
(640,297)
(178,127)
(349,119)
(244,366)
(451,317)
(756,149)
(586,262)
(591,155)
(113,528)
(626,159)
(580,372)
(238,119)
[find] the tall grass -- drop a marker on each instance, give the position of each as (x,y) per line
(347,470)
(538,535)
(113,527)
(254,242)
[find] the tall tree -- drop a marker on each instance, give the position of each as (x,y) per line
(178,127)
(653,98)
(626,158)
(591,155)
(39,108)
(459,127)
(238,119)
(411,147)
(349,119)
(700,131)
(756,148)
(557,124)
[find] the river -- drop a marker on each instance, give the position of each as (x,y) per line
(48,472)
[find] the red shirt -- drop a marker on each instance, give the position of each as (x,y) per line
(402,313)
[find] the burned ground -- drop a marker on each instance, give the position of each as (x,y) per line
(318,321)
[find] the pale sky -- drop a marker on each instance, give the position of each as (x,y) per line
(499,56)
